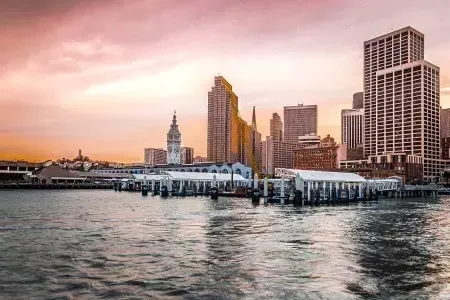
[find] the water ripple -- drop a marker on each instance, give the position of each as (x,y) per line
(91,245)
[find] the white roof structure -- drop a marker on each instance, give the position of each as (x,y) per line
(150,177)
(320,176)
(193,176)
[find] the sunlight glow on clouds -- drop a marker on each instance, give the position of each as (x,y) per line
(105,77)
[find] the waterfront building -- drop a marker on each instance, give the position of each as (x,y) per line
(401,99)
(206,167)
(277,154)
(230,138)
(325,158)
(187,155)
(352,127)
(276,127)
(358,100)
(174,143)
(153,156)
(15,170)
(409,167)
(445,123)
(299,120)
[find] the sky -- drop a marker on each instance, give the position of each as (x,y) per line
(105,76)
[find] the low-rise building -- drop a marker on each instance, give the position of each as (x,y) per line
(187,155)
(319,158)
(154,156)
(208,167)
(409,167)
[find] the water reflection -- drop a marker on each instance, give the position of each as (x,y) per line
(394,247)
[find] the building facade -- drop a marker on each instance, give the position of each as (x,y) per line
(401,99)
(319,158)
(277,154)
(276,127)
(309,140)
(230,138)
(153,156)
(207,167)
(445,123)
(174,143)
(358,100)
(223,123)
(445,148)
(299,120)
(352,127)
(187,155)
(409,167)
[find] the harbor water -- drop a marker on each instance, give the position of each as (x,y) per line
(93,244)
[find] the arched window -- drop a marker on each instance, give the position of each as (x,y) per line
(205,170)
(238,171)
(197,170)
(225,171)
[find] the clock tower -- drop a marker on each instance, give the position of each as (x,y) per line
(174,143)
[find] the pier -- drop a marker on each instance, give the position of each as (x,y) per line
(297,187)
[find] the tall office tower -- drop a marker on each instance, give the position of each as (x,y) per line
(174,143)
(352,127)
(223,123)
(445,123)
(358,100)
(153,156)
(401,99)
(276,127)
(299,120)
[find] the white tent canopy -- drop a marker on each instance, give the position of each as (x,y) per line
(320,176)
(194,176)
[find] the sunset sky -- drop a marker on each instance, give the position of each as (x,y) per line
(105,75)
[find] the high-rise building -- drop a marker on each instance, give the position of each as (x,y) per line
(352,127)
(445,123)
(187,155)
(153,156)
(358,100)
(298,121)
(276,127)
(223,123)
(174,143)
(401,99)
(230,138)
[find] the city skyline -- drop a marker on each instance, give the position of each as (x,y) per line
(84,82)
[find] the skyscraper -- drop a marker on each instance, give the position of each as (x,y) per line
(299,120)
(401,99)
(276,127)
(223,123)
(174,143)
(352,127)
(358,100)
